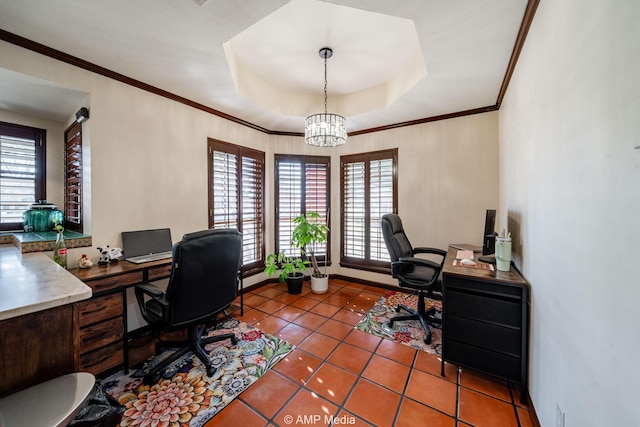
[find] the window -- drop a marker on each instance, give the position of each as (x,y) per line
(73,178)
(22,172)
(302,185)
(236,198)
(369,190)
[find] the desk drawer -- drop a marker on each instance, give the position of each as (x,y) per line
(100,334)
(485,308)
(102,359)
(484,335)
(487,361)
(112,282)
(160,272)
(490,288)
(100,308)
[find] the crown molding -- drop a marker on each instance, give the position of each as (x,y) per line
(527,19)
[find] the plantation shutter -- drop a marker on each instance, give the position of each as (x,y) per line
(236,193)
(225,190)
(73,179)
(317,197)
(354,206)
(369,190)
(381,203)
(302,185)
(289,205)
(22,171)
(251,198)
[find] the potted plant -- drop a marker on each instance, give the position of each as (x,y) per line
(291,270)
(309,232)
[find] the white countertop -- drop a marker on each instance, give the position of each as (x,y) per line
(33,282)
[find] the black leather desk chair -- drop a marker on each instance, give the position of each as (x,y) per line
(203,283)
(412,272)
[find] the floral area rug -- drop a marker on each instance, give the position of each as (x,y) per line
(407,332)
(185,395)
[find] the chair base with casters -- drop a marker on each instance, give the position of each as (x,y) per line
(194,343)
(426,317)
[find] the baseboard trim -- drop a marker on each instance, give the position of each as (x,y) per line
(269,281)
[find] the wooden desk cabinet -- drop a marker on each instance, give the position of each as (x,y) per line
(485,321)
(35,347)
(101,330)
(100,333)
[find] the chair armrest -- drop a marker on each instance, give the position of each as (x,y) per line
(149,289)
(425,250)
(156,294)
(419,261)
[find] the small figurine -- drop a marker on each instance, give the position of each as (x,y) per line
(109,255)
(84,262)
(104,255)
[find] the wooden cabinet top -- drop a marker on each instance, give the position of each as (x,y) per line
(115,269)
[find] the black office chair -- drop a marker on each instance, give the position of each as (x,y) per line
(412,272)
(203,283)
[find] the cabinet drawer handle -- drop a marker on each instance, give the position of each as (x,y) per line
(98,336)
(103,285)
(97,310)
(97,362)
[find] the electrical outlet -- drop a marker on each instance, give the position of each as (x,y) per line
(559,416)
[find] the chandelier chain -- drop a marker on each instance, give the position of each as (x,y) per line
(325,84)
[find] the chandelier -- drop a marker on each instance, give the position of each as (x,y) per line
(323,129)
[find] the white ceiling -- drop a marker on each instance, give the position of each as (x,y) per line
(178,46)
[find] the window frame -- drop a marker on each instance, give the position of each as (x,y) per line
(240,152)
(40,179)
(304,160)
(366,263)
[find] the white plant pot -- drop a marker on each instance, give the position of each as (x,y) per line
(319,285)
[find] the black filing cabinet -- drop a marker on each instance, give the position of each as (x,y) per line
(485,324)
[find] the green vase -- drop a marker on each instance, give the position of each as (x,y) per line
(42,216)
(60,251)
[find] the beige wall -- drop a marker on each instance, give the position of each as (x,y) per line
(147,164)
(447,178)
(569,189)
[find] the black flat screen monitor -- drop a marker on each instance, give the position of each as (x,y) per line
(489,236)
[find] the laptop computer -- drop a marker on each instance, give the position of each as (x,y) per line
(146,245)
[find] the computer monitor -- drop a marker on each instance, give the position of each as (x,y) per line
(144,243)
(489,236)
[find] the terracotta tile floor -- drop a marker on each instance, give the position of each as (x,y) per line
(354,378)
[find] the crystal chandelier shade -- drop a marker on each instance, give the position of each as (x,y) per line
(325,129)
